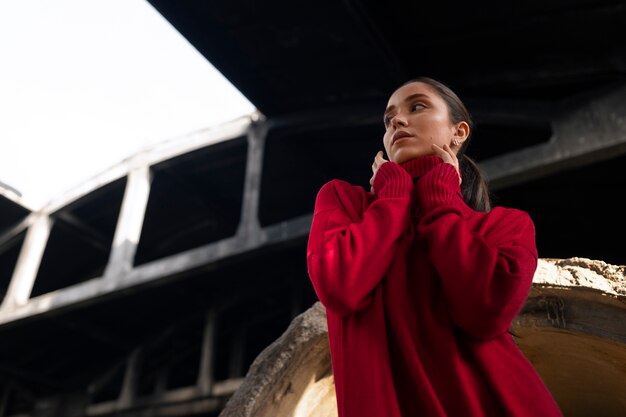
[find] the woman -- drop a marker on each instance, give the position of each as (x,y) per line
(421,278)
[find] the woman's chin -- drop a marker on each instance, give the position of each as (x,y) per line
(403,155)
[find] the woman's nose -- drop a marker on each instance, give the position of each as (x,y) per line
(398,120)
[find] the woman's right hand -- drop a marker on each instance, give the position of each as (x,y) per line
(378,162)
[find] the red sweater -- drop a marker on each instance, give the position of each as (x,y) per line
(420,291)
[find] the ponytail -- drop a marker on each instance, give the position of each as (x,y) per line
(474,187)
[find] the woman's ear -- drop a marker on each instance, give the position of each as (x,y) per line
(462,131)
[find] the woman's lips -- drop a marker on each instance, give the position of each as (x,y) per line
(399,136)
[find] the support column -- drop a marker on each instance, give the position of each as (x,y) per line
(129,386)
(130,222)
(28,262)
(205,375)
(249,224)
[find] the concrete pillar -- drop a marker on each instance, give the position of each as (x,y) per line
(130,222)
(28,262)
(205,374)
(129,386)
(249,223)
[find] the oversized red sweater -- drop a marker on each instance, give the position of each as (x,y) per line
(420,291)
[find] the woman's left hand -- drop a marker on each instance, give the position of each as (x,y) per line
(449,157)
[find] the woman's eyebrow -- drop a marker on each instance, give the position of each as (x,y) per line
(406,99)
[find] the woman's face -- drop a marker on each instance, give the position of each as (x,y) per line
(416,117)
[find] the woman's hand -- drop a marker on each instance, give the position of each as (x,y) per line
(449,157)
(378,161)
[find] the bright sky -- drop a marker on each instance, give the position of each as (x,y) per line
(87,83)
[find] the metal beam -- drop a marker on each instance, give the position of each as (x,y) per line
(89,291)
(582,136)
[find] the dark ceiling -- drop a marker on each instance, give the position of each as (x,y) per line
(291,57)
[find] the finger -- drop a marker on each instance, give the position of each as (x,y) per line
(455,161)
(449,150)
(376,159)
(450,153)
(440,152)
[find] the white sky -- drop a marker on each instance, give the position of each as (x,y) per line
(87,83)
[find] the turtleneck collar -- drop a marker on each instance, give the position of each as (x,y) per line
(417,167)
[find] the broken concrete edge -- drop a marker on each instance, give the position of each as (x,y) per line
(578,272)
(576,296)
(275,361)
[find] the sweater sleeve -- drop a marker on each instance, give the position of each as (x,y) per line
(351,244)
(486,275)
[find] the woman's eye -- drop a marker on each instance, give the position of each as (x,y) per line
(417,106)
(387,120)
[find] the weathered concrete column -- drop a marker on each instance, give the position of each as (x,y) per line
(249,227)
(28,262)
(129,386)
(205,374)
(129,222)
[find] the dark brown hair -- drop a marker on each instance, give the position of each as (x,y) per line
(474,187)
